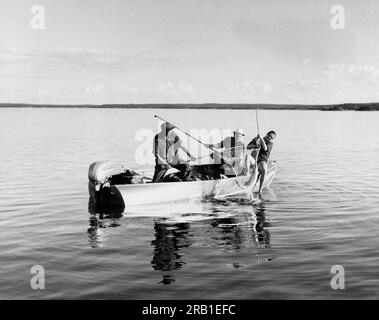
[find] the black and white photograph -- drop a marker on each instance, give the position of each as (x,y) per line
(189,150)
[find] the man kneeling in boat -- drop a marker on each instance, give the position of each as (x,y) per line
(166,146)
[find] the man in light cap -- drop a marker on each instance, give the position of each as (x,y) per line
(233,150)
(165,149)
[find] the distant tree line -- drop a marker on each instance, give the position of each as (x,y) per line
(331,107)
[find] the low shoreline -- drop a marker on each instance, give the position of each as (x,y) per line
(226,106)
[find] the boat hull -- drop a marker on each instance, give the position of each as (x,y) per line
(123,197)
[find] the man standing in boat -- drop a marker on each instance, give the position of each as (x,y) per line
(233,151)
(166,145)
(265,146)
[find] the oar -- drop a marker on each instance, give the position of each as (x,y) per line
(209,147)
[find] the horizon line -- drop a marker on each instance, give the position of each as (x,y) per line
(2,104)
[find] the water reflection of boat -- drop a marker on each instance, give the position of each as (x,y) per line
(97,234)
(233,227)
(168,242)
(261,225)
(247,229)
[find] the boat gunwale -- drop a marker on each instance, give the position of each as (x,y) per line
(138,185)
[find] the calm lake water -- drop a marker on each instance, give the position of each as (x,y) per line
(321,210)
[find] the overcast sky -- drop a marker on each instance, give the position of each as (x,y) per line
(189,51)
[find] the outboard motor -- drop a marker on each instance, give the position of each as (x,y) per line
(100,171)
(104,196)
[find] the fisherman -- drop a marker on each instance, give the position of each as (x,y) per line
(265,146)
(233,150)
(166,145)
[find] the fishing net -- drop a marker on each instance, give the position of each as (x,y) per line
(236,161)
(241,160)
